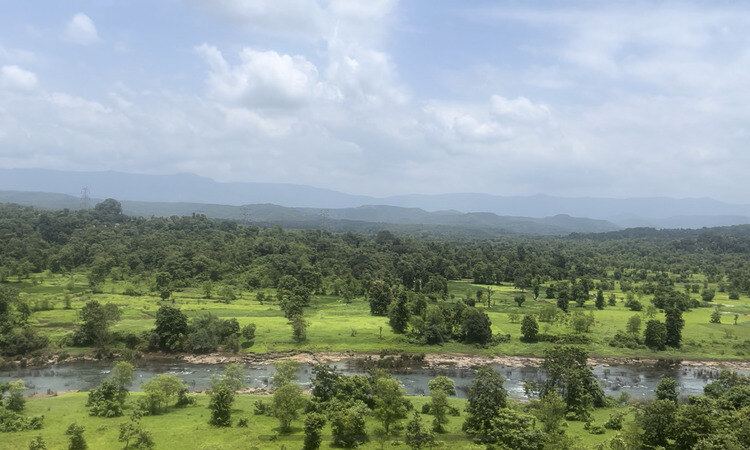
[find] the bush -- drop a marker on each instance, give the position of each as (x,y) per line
(563,338)
(11,421)
(615,421)
(633,305)
(625,340)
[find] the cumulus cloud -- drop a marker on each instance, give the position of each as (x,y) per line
(81,30)
(14,77)
(264,79)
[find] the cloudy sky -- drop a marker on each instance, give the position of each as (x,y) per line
(385,97)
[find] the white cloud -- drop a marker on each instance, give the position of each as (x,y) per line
(14,77)
(81,30)
(264,79)
(520,108)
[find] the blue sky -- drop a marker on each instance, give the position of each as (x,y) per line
(386,97)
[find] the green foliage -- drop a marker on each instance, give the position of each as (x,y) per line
(655,335)
(287,400)
(417,436)
(380,296)
(107,400)
(667,389)
(38,443)
(171,328)
(314,422)
(716,316)
(475,326)
(76,441)
(486,397)
(348,425)
(390,404)
(95,322)
(529,328)
(161,390)
(220,404)
(442,383)
(511,429)
(657,421)
(286,372)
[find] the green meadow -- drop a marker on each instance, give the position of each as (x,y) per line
(188,427)
(338,326)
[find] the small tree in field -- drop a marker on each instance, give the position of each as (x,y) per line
(76,441)
(519,299)
(529,328)
(287,400)
(716,316)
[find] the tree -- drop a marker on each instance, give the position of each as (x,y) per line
(390,404)
(227,294)
(667,389)
(287,400)
(486,397)
(299,329)
(514,430)
(708,294)
(348,425)
(569,375)
(161,390)
(286,372)
(381,297)
(233,377)
(442,383)
(95,322)
(38,443)
(716,316)
(107,400)
(475,326)
(673,323)
(550,410)
(171,328)
(398,313)
(109,210)
(123,374)
(248,332)
(439,409)
(314,422)
(76,441)
(612,299)
(435,331)
(655,335)
(220,404)
(519,299)
(207,287)
(132,432)
(656,420)
(599,299)
(529,328)
(416,435)
(563,303)
(634,325)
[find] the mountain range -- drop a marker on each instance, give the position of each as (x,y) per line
(187,192)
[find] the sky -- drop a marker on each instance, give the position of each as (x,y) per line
(384,97)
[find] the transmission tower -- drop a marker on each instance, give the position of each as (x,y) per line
(85,199)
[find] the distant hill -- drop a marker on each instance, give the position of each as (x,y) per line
(363,218)
(658,212)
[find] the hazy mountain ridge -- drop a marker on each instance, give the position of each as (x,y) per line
(363,218)
(658,212)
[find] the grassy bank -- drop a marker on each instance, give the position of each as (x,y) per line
(188,427)
(338,326)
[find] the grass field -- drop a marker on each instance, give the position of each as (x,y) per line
(188,427)
(340,327)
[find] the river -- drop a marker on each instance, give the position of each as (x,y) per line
(637,380)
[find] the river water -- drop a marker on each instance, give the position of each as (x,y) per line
(637,380)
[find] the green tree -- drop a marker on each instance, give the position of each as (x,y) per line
(475,326)
(416,435)
(634,325)
(314,422)
(133,434)
(348,425)
(171,328)
(529,328)
(38,443)
(299,329)
(380,296)
(656,420)
(162,390)
(95,322)
(655,335)
(287,400)
(442,383)
(390,404)
(76,441)
(673,323)
(486,397)
(220,403)
(716,316)
(599,299)
(550,410)
(514,430)
(398,314)
(667,389)
(286,372)
(519,299)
